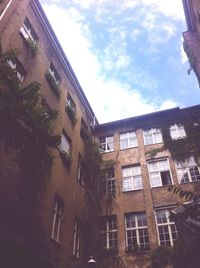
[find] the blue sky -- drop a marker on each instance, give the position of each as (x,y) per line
(127,54)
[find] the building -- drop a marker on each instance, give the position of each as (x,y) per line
(136,170)
(191,36)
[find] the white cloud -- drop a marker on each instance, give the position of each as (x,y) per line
(168,104)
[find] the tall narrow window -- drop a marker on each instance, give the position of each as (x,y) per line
(84,129)
(108,227)
(57,218)
(108,182)
(167,232)
(17,67)
(128,140)
(131,178)
(177,132)
(54,74)
(77,240)
(65,145)
(80,171)
(188,170)
(28,32)
(159,173)
(107,143)
(152,136)
(70,108)
(137,236)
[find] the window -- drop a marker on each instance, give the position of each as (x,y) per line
(80,171)
(108,226)
(159,173)
(131,178)
(57,218)
(54,74)
(152,136)
(77,239)
(16,65)
(188,170)
(45,107)
(136,231)
(128,140)
(71,103)
(108,182)
(70,108)
(65,145)
(83,130)
(177,132)
(107,143)
(27,31)
(167,232)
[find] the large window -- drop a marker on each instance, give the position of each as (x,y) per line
(137,236)
(107,143)
(167,232)
(188,170)
(57,218)
(177,132)
(131,178)
(108,182)
(77,239)
(152,136)
(17,67)
(108,227)
(159,173)
(128,140)
(28,32)
(65,145)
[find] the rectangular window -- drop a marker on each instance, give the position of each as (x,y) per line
(128,140)
(17,67)
(131,178)
(188,170)
(71,103)
(108,182)
(70,109)
(177,132)
(57,218)
(152,136)
(84,129)
(77,239)
(167,232)
(80,171)
(65,145)
(54,74)
(28,32)
(107,143)
(137,236)
(159,173)
(108,226)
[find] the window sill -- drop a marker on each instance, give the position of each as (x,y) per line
(136,147)
(131,191)
(105,152)
(162,186)
(153,143)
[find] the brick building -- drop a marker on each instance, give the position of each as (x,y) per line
(192,35)
(135,202)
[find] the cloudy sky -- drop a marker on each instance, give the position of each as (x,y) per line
(127,54)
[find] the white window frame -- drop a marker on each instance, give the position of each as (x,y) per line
(169,225)
(109,231)
(79,172)
(128,140)
(106,145)
(71,103)
(159,171)
(108,183)
(15,67)
(26,30)
(65,145)
(54,73)
(57,219)
(137,228)
(134,179)
(153,132)
(77,240)
(177,132)
(184,169)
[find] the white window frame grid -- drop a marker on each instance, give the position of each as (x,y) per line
(128,140)
(153,132)
(185,168)
(77,240)
(134,181)
(177,132)
(54,73)
(136,228)
(159,178)
(106,145)
(65,145)
(26,30)
(57,219)
(15,66)
(109,231)
(109,183)
(169,225)
(71,103)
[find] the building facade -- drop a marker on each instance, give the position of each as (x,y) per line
(192,35)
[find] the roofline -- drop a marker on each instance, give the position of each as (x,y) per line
(63,58)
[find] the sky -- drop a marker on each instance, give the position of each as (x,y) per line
(127,54)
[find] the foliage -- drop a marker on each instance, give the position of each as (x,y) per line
(71,113)
(32,46)
(161,257)
(67,158)
(53,84)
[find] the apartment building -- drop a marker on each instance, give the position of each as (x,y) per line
(192,35)
(136,219)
